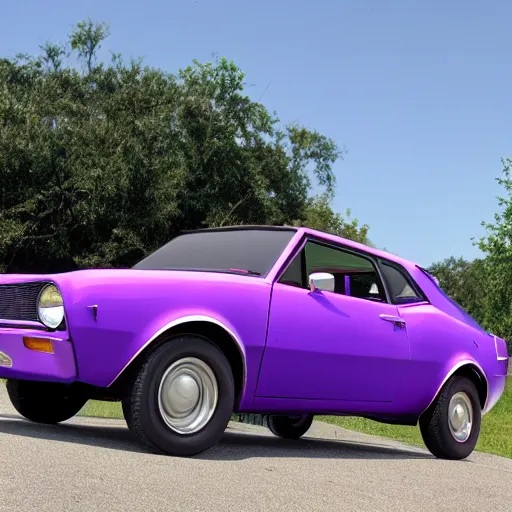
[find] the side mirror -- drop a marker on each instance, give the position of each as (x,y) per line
(319,281)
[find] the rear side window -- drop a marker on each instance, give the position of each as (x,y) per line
(400,286)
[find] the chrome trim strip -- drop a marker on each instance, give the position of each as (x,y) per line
(185,320)
(23,323)
(43,337)
(292,249)
(460,364)
(39,336)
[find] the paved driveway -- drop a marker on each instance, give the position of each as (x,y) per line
(95,465)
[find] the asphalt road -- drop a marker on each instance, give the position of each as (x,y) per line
(96,465)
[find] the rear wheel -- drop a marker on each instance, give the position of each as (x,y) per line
(182,398)
(290,427)
(45,402)
(451,426)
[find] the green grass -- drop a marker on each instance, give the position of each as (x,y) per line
(95,409)
(495,434)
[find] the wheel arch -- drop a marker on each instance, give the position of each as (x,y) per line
(206,327)
(477,375)
(472,371)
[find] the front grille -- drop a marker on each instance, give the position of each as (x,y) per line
(19,301)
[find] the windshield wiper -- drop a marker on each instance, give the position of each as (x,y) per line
(191,269)
(244,271)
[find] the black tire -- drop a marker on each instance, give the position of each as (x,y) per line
(45,402)
(126,407)
(141,405)
(434,423)
(290,427)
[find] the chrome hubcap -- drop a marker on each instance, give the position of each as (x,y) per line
(187,396)
(460,417)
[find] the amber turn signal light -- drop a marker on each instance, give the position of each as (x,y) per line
(38,344)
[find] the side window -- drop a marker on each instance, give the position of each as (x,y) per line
(401,289)
(293,275)
(354,275)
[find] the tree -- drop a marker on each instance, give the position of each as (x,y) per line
(99,166)
(86,40)
(465,282)
(318,214)
(497,246)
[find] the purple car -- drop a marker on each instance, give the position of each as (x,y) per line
(286,322)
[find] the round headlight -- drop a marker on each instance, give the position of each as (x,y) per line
(51,307)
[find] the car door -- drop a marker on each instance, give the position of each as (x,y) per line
(331,345)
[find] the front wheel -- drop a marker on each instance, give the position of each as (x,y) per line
(289,427)
(45,402)
(451,426)
(182,398)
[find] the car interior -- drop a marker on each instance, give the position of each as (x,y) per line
(354,275)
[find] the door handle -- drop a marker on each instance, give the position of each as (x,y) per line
(397,320)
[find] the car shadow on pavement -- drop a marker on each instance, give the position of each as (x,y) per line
(116,437)
(232,447)
(239,446)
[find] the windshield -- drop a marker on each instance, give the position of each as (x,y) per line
(246,251)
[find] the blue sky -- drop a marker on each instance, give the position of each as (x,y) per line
(417,92)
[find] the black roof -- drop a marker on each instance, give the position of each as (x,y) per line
(242,228)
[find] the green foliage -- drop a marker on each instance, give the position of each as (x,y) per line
(319,215)
(466,282)
(86,40)
(497,246)
(97,168)
(483,287)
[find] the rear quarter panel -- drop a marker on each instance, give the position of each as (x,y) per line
(132,306)
(439,344)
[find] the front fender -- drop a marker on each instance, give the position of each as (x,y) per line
(169,320)
(134,307)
